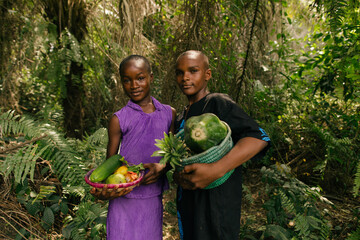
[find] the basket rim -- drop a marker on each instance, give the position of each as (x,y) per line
(121,185)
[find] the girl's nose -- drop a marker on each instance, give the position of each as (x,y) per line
(133,84)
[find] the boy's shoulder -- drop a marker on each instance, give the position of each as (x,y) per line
(219,97)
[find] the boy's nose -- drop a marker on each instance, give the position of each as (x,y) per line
(186,76)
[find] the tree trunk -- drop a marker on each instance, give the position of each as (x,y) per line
(71,15)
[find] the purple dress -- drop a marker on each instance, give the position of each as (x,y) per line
(138,215)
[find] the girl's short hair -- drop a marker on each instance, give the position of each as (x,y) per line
(134,57)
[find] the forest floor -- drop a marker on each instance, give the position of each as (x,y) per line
(341,216)
(253,216)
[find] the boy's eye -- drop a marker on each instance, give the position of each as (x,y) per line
(193,70)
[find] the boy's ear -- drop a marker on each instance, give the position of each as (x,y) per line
(207,74)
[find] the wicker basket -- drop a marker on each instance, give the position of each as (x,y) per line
(213,154)
(121,185)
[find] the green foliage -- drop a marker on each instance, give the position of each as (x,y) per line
(291,208)
(33,141)
(354,235)
(89,216)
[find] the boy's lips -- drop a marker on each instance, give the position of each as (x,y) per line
(186,86)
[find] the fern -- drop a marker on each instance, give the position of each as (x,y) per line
(44,191)
(357,180)
(89,216)
(50,145)
(337,149)
(291,206)
(336,11)
(354,235)
(98,137)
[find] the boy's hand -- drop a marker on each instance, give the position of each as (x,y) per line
(109,193)
(155,171)
(197,175)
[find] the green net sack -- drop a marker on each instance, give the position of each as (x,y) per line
(213,154)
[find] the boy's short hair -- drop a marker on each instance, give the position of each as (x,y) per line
(189,52)
(134,57)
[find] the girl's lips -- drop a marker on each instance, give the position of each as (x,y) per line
(135,93)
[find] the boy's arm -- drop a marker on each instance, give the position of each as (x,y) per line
(200,175)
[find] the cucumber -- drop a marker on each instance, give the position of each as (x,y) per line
(107,168)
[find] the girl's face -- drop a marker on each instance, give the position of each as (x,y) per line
(192,77)
(136,81)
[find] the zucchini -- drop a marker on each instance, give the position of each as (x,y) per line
(107,168)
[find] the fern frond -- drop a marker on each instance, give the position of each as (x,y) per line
(15,124)
(336,11)
(44,191)
(100,137)
(357,180)
(286,203)
(354,235)
(51,146)
(302,225)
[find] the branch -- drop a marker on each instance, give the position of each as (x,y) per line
(248,50)
(21,144)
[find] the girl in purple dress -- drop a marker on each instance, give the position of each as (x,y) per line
(137,214)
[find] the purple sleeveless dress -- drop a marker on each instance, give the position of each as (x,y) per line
(139,214)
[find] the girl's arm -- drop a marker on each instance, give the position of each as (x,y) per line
(200,175)
(114,134)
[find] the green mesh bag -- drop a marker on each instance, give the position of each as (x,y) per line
(213,154)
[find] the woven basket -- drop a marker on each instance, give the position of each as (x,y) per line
(121,185)
(213,154)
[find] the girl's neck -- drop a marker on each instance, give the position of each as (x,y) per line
(147,105)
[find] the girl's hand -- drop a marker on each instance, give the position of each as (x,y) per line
(156,170)
(109,193)
(197,175)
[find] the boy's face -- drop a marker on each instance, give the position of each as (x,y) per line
(136,80)
(192,75)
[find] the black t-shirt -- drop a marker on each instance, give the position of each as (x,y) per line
(212,214)
(241,124)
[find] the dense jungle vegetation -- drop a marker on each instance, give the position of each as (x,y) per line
(292,65)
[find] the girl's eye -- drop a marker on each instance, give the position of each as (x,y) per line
(178,73)
(141,78)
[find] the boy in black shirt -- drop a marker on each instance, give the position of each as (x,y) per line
(213,213)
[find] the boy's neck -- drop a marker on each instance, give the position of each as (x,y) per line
(197,97)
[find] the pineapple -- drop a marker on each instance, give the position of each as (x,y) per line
(172,150)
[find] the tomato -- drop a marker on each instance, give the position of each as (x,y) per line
(131,176)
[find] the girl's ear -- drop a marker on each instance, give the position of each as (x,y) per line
(207,74)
